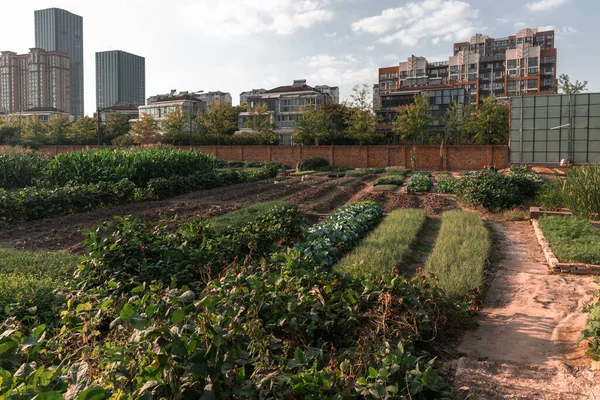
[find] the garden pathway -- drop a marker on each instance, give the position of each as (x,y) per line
(525,346)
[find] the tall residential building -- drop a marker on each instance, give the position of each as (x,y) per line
(254,92)
(36,80)
(217,96)
(333,91)
(284,104)
(484,66)
(120,79)
(160,106)
(61,31)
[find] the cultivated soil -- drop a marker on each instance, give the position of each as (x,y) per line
(525,346)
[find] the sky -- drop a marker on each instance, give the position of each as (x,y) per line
(238,45)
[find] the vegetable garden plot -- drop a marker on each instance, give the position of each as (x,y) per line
(460,253)
(573,239)
(380,255)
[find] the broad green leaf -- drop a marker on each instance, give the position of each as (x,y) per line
(178,316)
(93,393)
(127,312)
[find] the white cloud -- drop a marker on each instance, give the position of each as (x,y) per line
(235,18)
(436,19)
(545,5)
(325,69)
(520,25)
(560,33)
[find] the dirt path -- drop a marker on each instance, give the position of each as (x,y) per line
(525,346)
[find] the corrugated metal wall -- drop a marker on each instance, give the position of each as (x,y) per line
(576,133)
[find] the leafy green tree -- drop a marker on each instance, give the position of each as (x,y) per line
(337,116)
(413,122)
(312,127)
(565,85)
(454,120)
(84,131)
(173,126)
(221,120)
(145,130)
(260,122)
(360,119)
(33,130)
(117,125)
(8,132)
(488,124)
(59,129)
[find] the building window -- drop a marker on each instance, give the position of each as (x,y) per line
(532,71)
(532,61)
(511,64)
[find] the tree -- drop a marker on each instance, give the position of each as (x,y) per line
(33,130)
(567,87)
(454,120)
(312,126)
(221,120)
(360,119)
(260,122)
(84,131)
(59,128)
(414,121)
(337,116)
(488,124)
(145,130)
(117,125)
(173,126)
(8,132)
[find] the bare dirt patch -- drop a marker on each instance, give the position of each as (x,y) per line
(525,346)
(314,194)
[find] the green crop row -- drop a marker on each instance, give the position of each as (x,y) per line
(446,184)
(389,180)
(37,203)
(460,253)
(381,254)
(573,239)
(21,169)
(138,166)
(419,182)
(327,241)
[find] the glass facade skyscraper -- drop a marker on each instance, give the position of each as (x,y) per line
(120,79)
(61,31)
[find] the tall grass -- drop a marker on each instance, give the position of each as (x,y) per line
(385,249)
(139,166)
(21,169)
(460,253)
(581,191)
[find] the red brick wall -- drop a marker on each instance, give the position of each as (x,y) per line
(428,157)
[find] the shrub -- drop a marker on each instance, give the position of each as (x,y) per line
(313,164)
(446,184)
(591,333)
(460,253)
(419,182)
(519,169)
(336,234)
(490,189)
(573,239)
(389,180)
(381,254)
(528,183)
(581,191)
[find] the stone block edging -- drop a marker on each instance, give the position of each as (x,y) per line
(557,267)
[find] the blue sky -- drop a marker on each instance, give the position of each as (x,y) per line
(237,45)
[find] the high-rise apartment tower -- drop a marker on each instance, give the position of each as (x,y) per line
(58,30)
(120,79)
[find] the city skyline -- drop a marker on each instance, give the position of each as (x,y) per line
(251,44)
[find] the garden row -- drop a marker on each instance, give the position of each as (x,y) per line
(247,305)
(79,182)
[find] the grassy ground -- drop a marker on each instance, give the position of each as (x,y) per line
(460,253)
(241,217)
(573,239)
(379,254)
(29,281)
